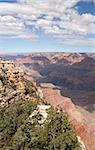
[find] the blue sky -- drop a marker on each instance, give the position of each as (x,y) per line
(52,25)
(86,7)
(10,1)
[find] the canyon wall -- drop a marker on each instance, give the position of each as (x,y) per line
(83,130)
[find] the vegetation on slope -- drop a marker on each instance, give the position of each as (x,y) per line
(18,133)
(11,119)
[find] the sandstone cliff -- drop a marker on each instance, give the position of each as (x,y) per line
(13,85)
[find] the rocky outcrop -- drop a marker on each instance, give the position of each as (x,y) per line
(13,86)
(41,110)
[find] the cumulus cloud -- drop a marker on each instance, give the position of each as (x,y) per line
(13,27)
(57,18)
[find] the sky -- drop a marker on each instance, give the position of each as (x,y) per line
(47,26)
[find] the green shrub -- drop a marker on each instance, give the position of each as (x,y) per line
(12,118)
(30,88)
(18,133)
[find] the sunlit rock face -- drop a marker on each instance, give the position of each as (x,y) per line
(13,84)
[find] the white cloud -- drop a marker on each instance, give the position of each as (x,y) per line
(12,27)
(21,19)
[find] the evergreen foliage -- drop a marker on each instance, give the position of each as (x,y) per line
(18,133)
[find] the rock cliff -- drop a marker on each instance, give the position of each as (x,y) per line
(13,85)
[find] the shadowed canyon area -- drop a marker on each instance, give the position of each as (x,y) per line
(73,74)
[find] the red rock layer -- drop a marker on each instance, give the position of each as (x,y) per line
(86,132)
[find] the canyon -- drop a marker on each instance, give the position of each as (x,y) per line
(66,81)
